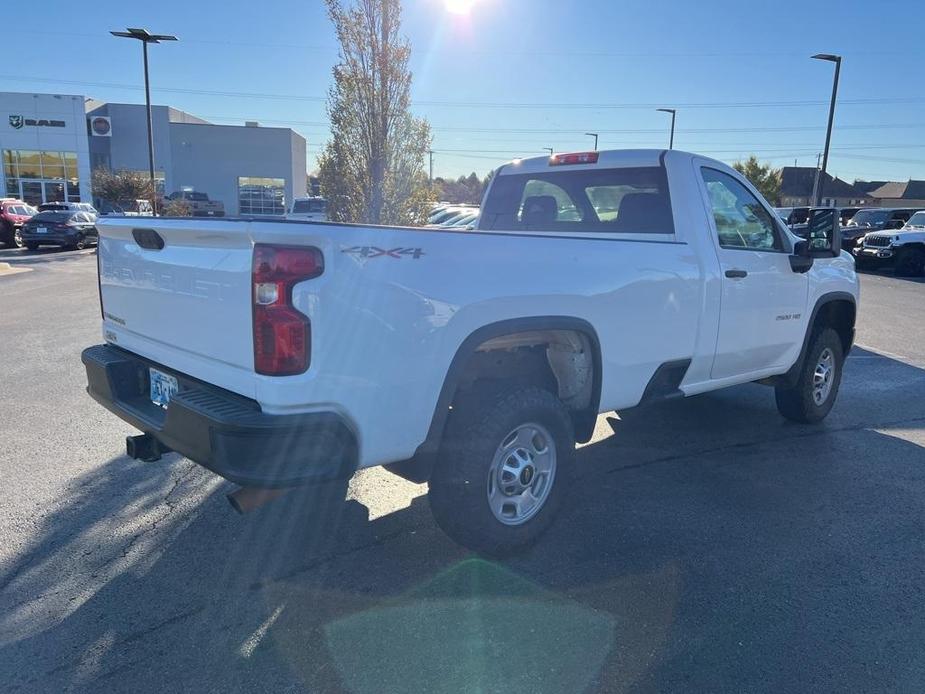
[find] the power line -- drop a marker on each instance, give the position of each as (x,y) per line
(482,104)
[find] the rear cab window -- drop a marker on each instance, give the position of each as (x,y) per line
(630,200)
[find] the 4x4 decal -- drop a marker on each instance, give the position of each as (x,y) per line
(375,252)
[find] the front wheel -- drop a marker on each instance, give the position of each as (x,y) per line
(910,262)
(811,398)
(16,238)
(503,469)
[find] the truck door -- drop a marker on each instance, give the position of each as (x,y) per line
(763,300)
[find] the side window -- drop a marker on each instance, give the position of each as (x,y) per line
(741,221)
(545,203)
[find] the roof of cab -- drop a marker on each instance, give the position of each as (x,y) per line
(614,158)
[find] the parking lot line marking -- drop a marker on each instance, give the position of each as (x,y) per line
(883,354)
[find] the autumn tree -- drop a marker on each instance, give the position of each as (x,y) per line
(116,187)
(372,168)
(763,176)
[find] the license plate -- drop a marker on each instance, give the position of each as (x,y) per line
(41,230)
(163,387)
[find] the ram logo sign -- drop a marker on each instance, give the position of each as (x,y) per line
(17,121)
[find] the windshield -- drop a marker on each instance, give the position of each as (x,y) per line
(917,220)
(869,218)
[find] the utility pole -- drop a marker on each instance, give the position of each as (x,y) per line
(145,38)
(673,113)
(817,200)
(431,153)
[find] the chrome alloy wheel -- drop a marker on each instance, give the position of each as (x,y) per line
(823,376)
(522,474)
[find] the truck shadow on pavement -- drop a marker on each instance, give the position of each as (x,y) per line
(707,545)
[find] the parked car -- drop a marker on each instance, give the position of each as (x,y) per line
(127,208)
(449,212)
(312,209)
(903,248)
(345,347)
(200,203)
(846,214)
(59,206)
(65,228)
(13,214)
(793,215)
(871,219)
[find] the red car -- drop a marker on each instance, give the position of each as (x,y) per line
(13,214)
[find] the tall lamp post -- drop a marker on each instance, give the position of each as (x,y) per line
(594,135)
(145,38)
(828,132)
(550,150)
(673,113)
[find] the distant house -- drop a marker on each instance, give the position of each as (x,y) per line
(895,193)
(797,183)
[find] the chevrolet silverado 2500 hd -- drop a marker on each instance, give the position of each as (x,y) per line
(281,353)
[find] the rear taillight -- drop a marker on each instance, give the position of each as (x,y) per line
(282,335)
(574,158)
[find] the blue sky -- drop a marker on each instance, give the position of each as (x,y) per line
(515,76)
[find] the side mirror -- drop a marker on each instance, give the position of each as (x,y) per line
(802,259)
(823,233)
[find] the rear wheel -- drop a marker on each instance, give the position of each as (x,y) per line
(79,244)
(813,395)
(503,469)
(910,262)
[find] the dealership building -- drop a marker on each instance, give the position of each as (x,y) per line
(50,143)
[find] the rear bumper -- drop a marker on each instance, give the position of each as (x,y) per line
(220,430)
(54,238)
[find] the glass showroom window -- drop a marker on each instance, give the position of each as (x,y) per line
(41,176)
(265,196)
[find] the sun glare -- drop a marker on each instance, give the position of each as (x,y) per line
(462,7)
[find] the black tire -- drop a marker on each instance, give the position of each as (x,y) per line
(459,485)
(79,244)
(16,239)
(32,246)
(910,262)
(798,403)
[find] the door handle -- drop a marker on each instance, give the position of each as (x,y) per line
(736,274)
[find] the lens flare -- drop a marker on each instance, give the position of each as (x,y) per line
(460,7)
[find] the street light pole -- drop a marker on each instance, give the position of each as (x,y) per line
(594,135)
(673,113)
(828,132)
(145,38)
(550,150)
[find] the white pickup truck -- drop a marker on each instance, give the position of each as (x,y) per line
(282,353)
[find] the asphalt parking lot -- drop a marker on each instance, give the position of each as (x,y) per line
(708,545)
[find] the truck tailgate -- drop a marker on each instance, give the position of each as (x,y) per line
(192,294)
